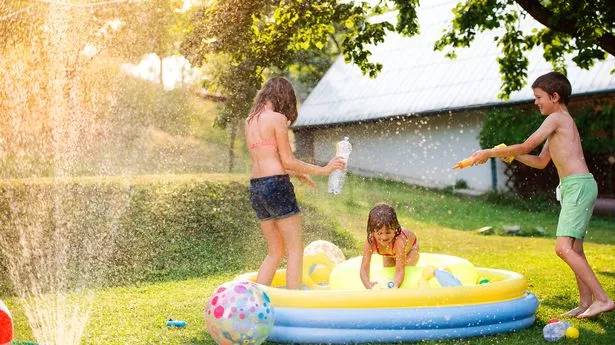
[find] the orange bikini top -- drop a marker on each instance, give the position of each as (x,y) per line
(402,232)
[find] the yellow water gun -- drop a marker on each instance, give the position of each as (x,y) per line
(470,161)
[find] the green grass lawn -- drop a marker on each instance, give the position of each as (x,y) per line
(444,224)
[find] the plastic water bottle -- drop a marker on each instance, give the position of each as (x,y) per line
(337,176)
(553,332)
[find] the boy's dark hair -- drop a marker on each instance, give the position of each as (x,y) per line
(554,82)
(280,92)
(382,215)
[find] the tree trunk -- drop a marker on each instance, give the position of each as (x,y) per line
(183,75)
(231,145)
(161,71)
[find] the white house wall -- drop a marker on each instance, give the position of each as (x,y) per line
(417,150)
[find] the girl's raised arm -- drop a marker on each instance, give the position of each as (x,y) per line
(288,159)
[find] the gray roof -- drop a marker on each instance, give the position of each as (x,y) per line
(416,79)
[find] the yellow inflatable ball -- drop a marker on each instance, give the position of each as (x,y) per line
(428,280)
(464,271)
(572,333)
(428,272)
(434,283)
(334,253)
(423,284)
(346,276)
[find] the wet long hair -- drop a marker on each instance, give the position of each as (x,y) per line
(280,92)
(382,215)
(554,82)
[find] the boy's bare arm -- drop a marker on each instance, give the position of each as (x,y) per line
(537,162)
(549,125)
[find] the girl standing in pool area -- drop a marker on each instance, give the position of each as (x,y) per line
(398,246)
(271,193)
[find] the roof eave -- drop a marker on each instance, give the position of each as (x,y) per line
(442,110)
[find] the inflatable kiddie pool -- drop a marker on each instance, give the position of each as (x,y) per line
(339,310)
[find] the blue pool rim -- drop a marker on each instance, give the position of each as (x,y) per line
(386,325)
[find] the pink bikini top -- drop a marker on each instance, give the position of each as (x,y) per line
(403,232)
(264,143)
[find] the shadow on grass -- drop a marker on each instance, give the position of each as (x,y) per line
(559,302)
(606,274)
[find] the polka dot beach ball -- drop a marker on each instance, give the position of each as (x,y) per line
(6,325)
(239,312)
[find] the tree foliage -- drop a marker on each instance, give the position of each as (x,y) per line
(272,33)
(46,91)
(127,29)
(581,28)
(255,37)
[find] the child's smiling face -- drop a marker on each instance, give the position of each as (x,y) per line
(384,235)
(546,103)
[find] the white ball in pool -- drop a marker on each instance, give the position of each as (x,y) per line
(6,325)
(331,250)
(239,312)
(384,284)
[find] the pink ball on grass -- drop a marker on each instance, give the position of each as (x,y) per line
(6,325)
(239,312)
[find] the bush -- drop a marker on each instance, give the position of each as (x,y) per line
(101,232)
(596,125)
(509,126)
(597,129)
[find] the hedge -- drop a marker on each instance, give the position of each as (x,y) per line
(73,233)
(596,125)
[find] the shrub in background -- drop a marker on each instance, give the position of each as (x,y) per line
(112,231)
(596,125)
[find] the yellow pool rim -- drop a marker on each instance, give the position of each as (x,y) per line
(505,285)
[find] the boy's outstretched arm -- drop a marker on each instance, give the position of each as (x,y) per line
(537,162)
(549,125)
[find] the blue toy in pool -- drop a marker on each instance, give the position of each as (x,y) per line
(446,278)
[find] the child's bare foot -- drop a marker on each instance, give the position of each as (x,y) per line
(596,308)
(575,312)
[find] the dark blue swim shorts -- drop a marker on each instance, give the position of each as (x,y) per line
(273,197)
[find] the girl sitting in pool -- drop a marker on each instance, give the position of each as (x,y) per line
(398,246)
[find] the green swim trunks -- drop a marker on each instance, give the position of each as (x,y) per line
(578,196)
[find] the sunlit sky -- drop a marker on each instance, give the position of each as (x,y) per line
(173,67)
